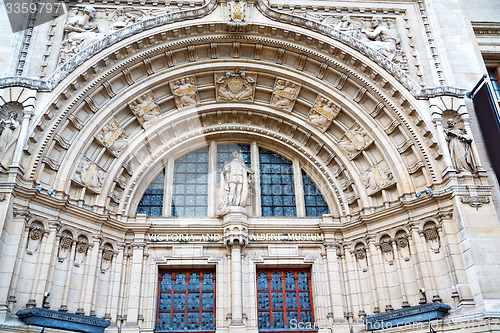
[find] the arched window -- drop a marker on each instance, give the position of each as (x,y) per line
(281,185)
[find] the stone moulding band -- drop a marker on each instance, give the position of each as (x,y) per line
(62,320)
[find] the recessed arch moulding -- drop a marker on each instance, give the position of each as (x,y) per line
(371,149)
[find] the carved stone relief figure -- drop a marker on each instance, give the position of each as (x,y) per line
(360,255)
(323,112)
(64,247)
(355,140)
(145,109)
(284,94)
(235,184)
(345,25)
(185,92)
(90,175)
(35,236)
(377,177)
(459,145)
(113,137)
(10,129)
(238,20)
(381,38)
(237,86)
(82,246)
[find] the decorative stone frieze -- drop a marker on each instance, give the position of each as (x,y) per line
(235,86)
(323,112)
(146,109)
(185,92)
(355,140)
(285,93)
(90,175)
(113,137)
(378,177)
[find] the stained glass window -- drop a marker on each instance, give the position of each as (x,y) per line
(186,301)
(315,204)
(276,185)
(190,188)
(151,202)
(283,295)
(225,151)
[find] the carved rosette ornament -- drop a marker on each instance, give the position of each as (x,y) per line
(285,93)
(82,247)
(146,109)
(378,177)
(355,140)
(90,175)
(323,112)
(64,248)
(238,16)
(113,137)
(386,246)
(235,86)
(35,236)
(431,235)
(360,253)
(107,257)
(402,242)
(185,92)
(36,233)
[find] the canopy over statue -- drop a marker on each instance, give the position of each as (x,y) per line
(234,184)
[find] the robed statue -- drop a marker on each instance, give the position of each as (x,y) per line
(459,145)
(10,129)
(235,181)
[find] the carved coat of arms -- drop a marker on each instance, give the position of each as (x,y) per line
(284,94)
(145,109)
(235,86)
(323,112)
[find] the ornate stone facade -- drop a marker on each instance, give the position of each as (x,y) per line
(357,164)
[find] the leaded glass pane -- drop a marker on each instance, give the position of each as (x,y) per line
(190,188)
(151,202)
(315,204)
(276,185)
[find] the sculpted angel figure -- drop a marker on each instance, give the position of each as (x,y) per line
(235,182)
(459,145)
(81,29)
(381,38)
(8,138)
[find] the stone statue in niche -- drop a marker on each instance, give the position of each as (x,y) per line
(284,94)
(8,138)
(237,21)
(381,38)
(35,236)
(90,175)
(185,92)
(323,112)
(113,137)
(459,145)
(145,109)
(237,86)
(235,180)
(355,140)
(64,248)
(377,177)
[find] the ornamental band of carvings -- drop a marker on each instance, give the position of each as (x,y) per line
(355,140)
(146,109)
(475,201)
(285,93)
(238,16)
(235,86)
(90,175)
(113,137)
(378,177)
(185,92)
(323,112)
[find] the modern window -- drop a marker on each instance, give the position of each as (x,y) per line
(280,184)
(186,301)
(493,74)
(284,298)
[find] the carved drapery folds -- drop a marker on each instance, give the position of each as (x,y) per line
(113,137)
(10,128)
(355,140)
(378,177)
(285,93)
(185,92)
(235,86)
(90,175)
(146,109)
(459,145)
(323,112)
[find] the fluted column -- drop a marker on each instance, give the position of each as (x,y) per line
(134,289)
(334,279)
